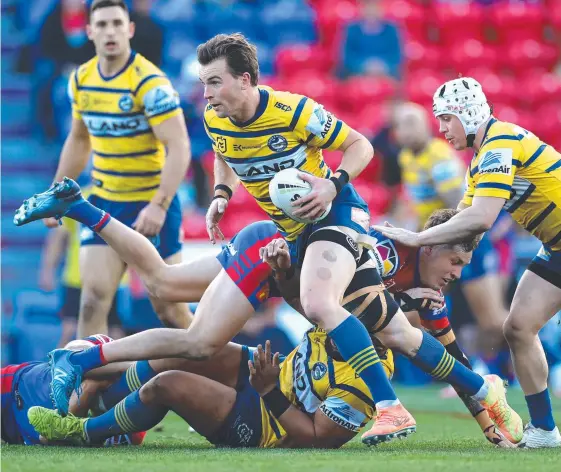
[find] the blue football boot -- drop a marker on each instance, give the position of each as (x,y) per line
(66,377)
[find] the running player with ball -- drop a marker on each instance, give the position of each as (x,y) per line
(256,133)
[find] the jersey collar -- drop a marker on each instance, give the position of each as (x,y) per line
(492,121)
(125,67)
(263,102)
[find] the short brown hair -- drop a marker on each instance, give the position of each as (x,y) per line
(439,217)
(99,4)
(240,54)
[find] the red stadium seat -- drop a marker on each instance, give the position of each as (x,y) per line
(422,84)
(411,16)
(472,51)
(194,226)
(540,89)
(529,54)
(298,58)
(358,92)
(377,196)
(233,222)
(458,22)
(331,16)
(547,122)
(322,88)
(517,21)
(420,55)
(498,88)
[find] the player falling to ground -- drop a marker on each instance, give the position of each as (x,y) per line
(514,170)
(319,403)
(125,111)
(433,176)
(238,279)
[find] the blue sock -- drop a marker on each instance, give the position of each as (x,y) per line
(88,359)
(87,214)
(541,414)
(355,346)
(433,359)
(128,416)
(135,377)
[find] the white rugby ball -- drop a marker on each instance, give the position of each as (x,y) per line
(286,188)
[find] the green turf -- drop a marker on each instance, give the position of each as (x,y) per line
(447,440)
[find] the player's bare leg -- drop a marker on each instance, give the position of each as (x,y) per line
(535,302)
(327,270)
(488,307)
(101,271)
(172,315)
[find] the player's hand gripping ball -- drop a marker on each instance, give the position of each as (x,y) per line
(287,187)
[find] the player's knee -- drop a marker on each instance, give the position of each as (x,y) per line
(159,390)
(93,301)
(515,329)
(317,307)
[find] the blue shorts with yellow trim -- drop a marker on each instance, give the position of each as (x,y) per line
(240,259)
(485,261)
(168,242)
(242,427)
(547,265)
(346,210)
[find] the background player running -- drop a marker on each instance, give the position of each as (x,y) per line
(125,111)
(514,170)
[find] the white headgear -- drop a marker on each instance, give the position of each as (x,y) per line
(465,99)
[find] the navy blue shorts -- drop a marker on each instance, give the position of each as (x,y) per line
(242,427)
(485,261)
(547,265)
(168,242)
(348,210)
(240,259)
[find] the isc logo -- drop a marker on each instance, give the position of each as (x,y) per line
(283,107)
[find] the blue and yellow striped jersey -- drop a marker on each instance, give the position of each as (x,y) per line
(120,112)
(436,170)
(514,164)
(287,131)
(310,378)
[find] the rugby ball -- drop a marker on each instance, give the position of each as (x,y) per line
(286,188)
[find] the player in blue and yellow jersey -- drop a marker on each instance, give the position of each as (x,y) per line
(127,114)
(433,176)
(511,169)
(256,132)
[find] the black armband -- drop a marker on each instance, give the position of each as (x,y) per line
(276,402)
(340,181)
(224,188)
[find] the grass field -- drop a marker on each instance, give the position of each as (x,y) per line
(447,440)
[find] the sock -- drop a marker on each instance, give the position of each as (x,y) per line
(135,377)
(541,415)
(89,359)
(355,346)
(129,416)
(433,359)
(87,214)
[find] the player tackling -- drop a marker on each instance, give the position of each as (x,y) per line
(514,170)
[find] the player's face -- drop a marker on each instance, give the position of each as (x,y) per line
(443,265)
(410,131)
(110,29)
(451,127)
(223,91)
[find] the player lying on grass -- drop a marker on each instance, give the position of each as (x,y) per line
(27,385)
(511,170)
(239,286)
(309,399)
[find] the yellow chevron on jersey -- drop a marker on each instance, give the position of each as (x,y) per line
(514,164)
(119,112)
(287,131)
(311,379)
(435,170)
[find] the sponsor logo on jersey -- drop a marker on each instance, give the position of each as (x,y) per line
(160,100)
(337,419)
(126,103)
(241,147)
(497,161)
(283,107)
(221,144)
(327,126)
(266,170)
(113,126)
(277,143)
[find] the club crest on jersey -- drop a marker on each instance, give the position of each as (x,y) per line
(319,370)
(497,161)
(277,143)
(126,103)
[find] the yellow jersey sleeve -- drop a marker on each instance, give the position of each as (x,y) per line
(72,94)
(494,174)
(318,127)
(469,189)
(158,99)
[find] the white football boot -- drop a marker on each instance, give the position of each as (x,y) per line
(535,438)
